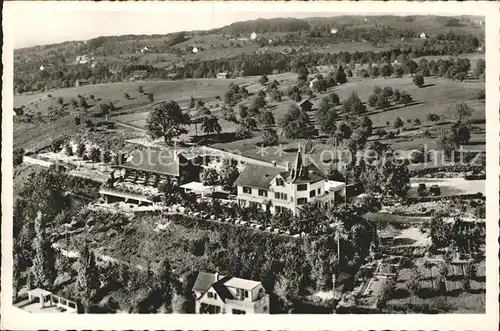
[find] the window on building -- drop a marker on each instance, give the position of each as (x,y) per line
(264,309)
(312,194)
(281,196)
(210,295)
(246,294)
(239,312)
(302,201)
(215,296)
(319,191)
(302,187)
(262,193)
(280,182)
(247,190)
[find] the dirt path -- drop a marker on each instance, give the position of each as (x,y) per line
(130,127)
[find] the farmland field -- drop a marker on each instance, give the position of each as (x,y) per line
(439,96)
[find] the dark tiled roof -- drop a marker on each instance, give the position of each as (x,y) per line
(258,176)
(204,281)
(222,290)
(154,160)
(312,174)
(304,101)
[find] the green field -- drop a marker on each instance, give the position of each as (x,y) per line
(440,97)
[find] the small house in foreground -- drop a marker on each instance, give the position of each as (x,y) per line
(218,294)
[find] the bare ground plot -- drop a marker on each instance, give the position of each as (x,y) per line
(462,303)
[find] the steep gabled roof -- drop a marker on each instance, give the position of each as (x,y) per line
(258,176)
(303,102)
(222,290)
(204,281)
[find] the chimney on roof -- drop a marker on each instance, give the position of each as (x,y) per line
(274,163)
(216,276)
(287,165)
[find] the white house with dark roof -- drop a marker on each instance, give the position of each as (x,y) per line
(278,188)
(218,294)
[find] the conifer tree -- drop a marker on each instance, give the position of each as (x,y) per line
(88,276)
(44,271)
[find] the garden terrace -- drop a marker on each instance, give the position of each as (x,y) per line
(160,164)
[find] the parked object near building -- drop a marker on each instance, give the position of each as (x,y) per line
(435,190)
(81,82)
(222,75)
(218,294)
(422,189)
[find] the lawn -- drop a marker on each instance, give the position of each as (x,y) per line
(32,136)
(180,91)
(439,96)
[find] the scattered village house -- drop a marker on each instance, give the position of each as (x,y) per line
(277,188)
(82,59)
(305,105)
(81,82)
(218,294)
(223,75)
(139,74)
(195,50)
(312,82)
(423,35)
(253,36)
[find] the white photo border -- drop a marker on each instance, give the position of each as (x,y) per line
(16,319)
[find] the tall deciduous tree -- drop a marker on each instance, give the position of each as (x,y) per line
(211,125)
(210,177)
(463,111)
(228,174)
(167,120)
(270,137)
(353,105)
